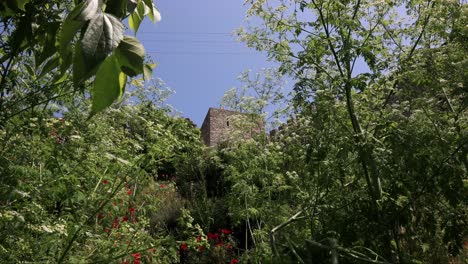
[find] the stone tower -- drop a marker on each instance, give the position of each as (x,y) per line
(219,124)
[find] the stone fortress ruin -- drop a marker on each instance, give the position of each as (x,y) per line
(220,125)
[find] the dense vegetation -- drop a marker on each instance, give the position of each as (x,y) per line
(370,167)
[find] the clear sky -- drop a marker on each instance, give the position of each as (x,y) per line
(198,56)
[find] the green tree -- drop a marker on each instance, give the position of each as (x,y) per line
(384,64)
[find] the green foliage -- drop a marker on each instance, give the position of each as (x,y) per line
(84,191)
(81,42)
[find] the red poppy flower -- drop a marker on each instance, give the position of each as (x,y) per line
(129,192)
(125,219)
(234,261)
(183,246)
(132,210)
(226,231)
(105,182)
(136,255)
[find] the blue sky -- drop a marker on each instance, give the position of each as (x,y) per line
(197,54)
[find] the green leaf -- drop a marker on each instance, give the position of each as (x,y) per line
(81,70)
(148,71)
(49,66)
(88,11)
(21,4)
(153,14)
(30,70)
(130,54)
(83,12)
(108,85)
(47,41)
(102,36)
(117,8)
(136,17)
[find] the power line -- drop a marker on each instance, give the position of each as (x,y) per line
(184,32)
(190,40)
(201,53)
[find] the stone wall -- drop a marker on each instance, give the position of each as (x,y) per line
(220,124)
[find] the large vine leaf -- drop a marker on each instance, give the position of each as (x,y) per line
(130,53)
(82,12)
(109,85)
(102,36)
(82,70)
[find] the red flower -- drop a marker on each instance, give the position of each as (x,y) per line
(129,192)
(213,236)
(136,258)
(125,219)
(226,231)
(183,246)
(228,246)
(105,182)
(220,244)
(132,210)
(162,186)
(116,223)
(234,261)
(201,248)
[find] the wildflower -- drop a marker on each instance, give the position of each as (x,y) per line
(116,223)
(183,246)
(226,231)
(234,261)
(129,192)
(213,236)
(125,219)
(132,210)
(105,182)
(136,258)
